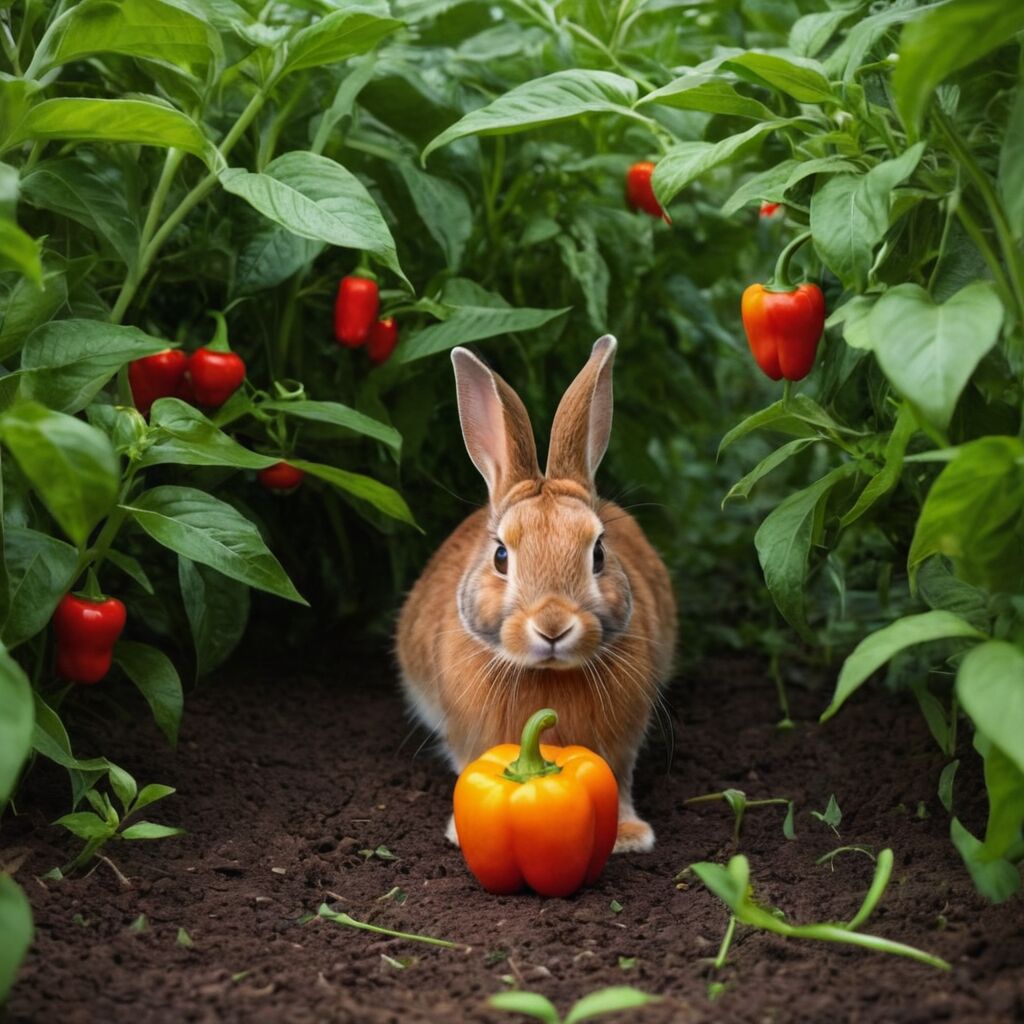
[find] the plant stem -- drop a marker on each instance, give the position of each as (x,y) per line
(723,949)
(780,279)
(531,762)
(330,915)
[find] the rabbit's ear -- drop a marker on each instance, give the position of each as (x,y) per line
(495,426)
(583,422)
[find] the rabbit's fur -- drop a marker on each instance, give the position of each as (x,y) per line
(480,649)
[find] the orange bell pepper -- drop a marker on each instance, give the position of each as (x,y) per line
(538,816)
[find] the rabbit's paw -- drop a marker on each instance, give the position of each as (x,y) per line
(450,834)
(635,836)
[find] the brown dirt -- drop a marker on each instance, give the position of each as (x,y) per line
(282,780)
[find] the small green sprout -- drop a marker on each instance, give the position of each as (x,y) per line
(830,857)
(381,853)
(615,907)
(325,912)
(831,816)
(738,802)
(184,939)
(606,1000)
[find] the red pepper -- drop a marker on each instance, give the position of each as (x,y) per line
(213,377)
(784,328)
(355,310)
(86,633)
(157,376)
(640,194)
(281,477)
(769,210)
(382,341)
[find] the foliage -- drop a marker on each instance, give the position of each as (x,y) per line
(615,999)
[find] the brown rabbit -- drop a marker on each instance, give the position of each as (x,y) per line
(548,597)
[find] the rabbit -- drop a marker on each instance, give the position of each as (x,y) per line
(547,597)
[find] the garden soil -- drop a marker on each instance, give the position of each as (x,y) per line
(285,778)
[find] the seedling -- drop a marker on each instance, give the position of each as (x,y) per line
(106,823)
(140,924)
(731,884)
(381,853)
(184,939)
(325,911)
(615,907)
(830,857)
(394,895)
(831,816)
(627,963)
(738,802)
(597,1004)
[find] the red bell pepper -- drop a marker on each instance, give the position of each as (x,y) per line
(382,341)
(87,630)
(213,377)
(784,328)
(355,310)
(640,193)
(281,478)
(156,376)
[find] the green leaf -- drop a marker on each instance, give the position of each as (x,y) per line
(70,464)
(784,541)
(472,323)
(98,120)
(799,77)
(875,650)
(563,96)
(1004,784)
(337,415)
(946,785)
(123,785)
(811,33)
(269,255)
(16,928)
(17,720)
(344,100)
(151,794)
(687,161)
(207,530)
(50,739)
(188,438)
(316,198)
(990,687)
(147,29)
(801,416)
(972,514)
(218,611)
(832,815)
(609,1000)
(996,880)
(742,488)
(131,567)
(76,189)
(943,40)
(86,825)
(27,306)
(530,1004)
(383,498)
(772,184)
(929,351)
(888,476)
(1011,166)
(41,570)
(19,251)
(939,588)
(443,208)
(157,680)
(712,93)
(150,830)
(850,216)
(337,37)
(65,362)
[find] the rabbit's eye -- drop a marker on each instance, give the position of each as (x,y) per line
(501,559)
(598,555)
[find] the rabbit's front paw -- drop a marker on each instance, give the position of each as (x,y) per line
(635,836)
(453,837)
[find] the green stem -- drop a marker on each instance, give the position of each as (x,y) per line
(723,950)
(780,279)
(531,763)
(326,912)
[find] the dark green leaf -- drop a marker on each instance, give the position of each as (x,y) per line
(383,498)
(16,927)
(990,686)
(888,476)
(41,570)
(218,611)
(700,91)
(157,680)
(16,723)
(337,415)
(338,36)
(799,77)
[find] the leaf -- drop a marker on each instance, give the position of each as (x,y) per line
(151,794)
(972,515)
(316,198)
(799,77)
(743,487)
(70,464)
(131,567)
(800,415)
(344,100)
(443,208)
(50,739)
(270,255)
(472,323)
(207,530)
(563,96)
(218,611)
(939,588)
(712,93)
(850,216)
(77,190)
(811,33)
(990,687)
(98,120)
(996,880)
(1011,166)
(892,468)
(337,415)
(783,543)
(687,161)
(147,29)
(530,1004)
(17,720)
(832,815)
(772,184)
(27,306)
(41,570)
(383,498)
(86,825)
(190,439)
(65,362)
(337,37)
(929,351)
(157,680)
(943,40)
(1004,784)
(609,1000)
(19,251)
(878,648)
(16,928)
(946,785)
(150,830)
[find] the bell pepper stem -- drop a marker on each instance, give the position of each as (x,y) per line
(531,763)
(219,342)
(780,279)
(92,590)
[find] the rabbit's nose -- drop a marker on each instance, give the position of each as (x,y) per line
(553,639)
